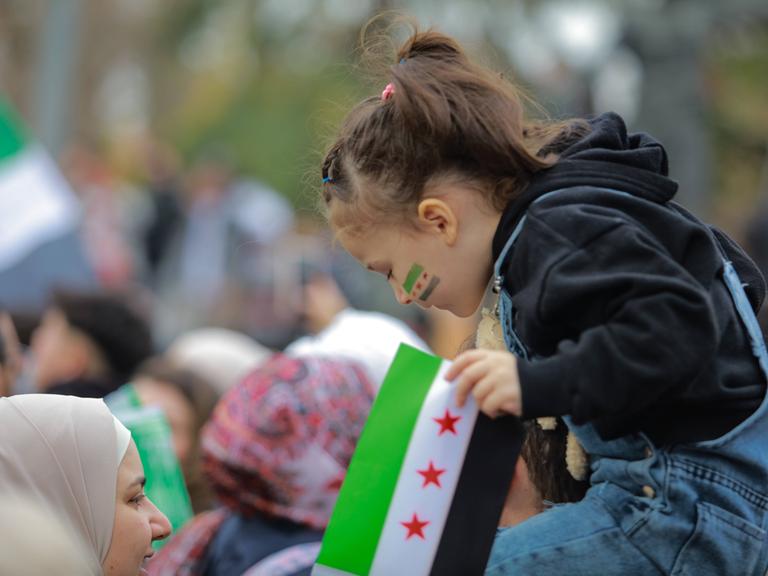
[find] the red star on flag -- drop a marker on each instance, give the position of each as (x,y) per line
(431,475)
(447,423)
(415,527)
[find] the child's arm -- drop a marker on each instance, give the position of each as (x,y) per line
(627,323)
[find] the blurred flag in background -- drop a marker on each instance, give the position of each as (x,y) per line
(39,219)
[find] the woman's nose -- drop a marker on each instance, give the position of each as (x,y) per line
(161,527)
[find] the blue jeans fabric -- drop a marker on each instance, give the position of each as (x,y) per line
(695,510)
(687,510)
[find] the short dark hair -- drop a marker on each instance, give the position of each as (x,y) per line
(113,323)
(199,392)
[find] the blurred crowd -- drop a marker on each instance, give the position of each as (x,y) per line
(240,349)
(261,436)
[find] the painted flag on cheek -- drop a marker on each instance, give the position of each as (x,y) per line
(426,486)
(419,284)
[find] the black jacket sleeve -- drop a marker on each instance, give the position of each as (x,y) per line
(640,327)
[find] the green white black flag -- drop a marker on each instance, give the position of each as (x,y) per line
(427,482)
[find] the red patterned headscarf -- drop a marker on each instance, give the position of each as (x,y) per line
(278,444)
(281,442)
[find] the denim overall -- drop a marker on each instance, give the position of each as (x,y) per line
(697,509)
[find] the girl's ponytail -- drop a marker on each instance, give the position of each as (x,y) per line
(441,115)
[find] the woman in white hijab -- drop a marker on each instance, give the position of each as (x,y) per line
(71,456)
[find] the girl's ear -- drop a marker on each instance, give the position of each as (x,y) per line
(437,217)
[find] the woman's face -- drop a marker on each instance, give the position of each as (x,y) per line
(137,521)
(177,409)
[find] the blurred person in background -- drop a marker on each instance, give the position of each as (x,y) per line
(165,215)
(187,399)
(10,355)
(104,232)
(223,357)
(276,451)
(88,344)
(336,330)
(202,264)
(218,268)
(73,457)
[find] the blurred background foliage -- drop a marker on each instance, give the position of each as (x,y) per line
(262,83)
(122,92)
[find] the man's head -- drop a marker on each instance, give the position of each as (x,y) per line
(89,336)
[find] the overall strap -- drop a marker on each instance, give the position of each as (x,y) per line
(510,242)
(738,295)
(744,309)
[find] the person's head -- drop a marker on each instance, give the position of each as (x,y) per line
(187,400)
(279,443)
(89,335)
(417,177)
(71,455)
(221,356)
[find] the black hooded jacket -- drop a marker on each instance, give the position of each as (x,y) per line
(620,300)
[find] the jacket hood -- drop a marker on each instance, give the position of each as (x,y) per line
(609,156)
(606,157)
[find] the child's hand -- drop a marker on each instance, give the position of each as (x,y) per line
(491,376)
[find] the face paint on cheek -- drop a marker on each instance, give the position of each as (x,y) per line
(433,282)
(420,284)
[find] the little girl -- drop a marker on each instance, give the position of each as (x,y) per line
(621,311)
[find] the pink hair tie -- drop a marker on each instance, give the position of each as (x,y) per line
(389,89)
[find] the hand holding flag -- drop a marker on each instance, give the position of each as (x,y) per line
(491,376)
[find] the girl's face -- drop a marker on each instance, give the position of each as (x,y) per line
(444,260)
(137,521)
(422,268)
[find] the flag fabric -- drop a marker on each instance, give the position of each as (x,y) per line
(426,485)
(39,222)
(36,203)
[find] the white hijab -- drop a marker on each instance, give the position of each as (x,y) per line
(63,453)
(26,528)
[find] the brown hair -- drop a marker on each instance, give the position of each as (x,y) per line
(544,454)
(448,117)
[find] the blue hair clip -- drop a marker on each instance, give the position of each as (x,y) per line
(327,179)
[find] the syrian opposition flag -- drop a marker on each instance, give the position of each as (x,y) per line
(36,203)
(426,485)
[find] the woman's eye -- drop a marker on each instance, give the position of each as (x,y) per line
(138,498)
